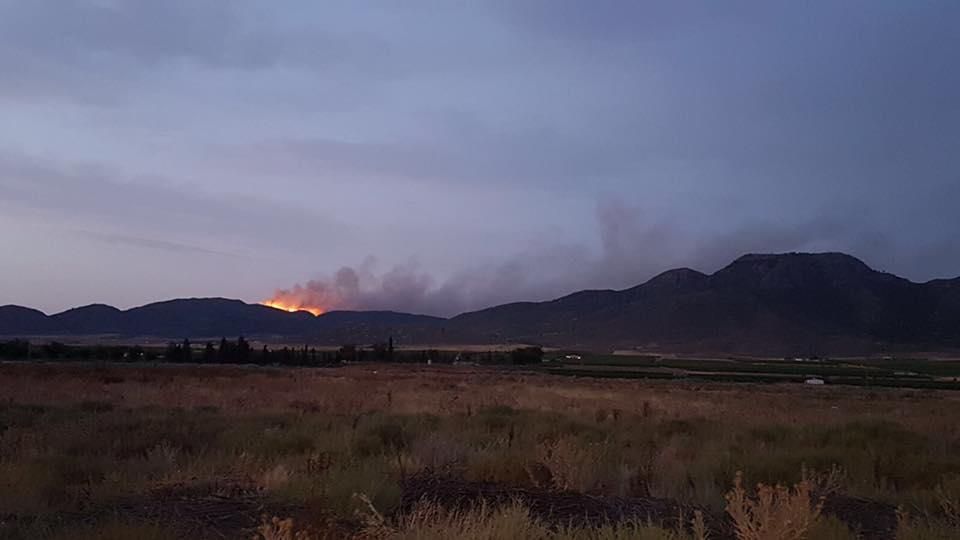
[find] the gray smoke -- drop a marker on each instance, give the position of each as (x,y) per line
(635,246)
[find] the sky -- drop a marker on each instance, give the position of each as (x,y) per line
(441,156)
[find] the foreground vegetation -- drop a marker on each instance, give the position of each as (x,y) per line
(126,452)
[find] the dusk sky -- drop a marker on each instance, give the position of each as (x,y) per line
(455,154)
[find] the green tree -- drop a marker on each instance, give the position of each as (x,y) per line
(243,351)
(223,354)
(209,354)
(526,355)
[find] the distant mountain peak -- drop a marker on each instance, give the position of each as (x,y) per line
(760,303)
(212,300)
(793,269)
(678,277)
(827,257)
(19,320)
(102,308)
(13,308)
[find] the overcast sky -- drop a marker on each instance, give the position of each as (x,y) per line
(458,154)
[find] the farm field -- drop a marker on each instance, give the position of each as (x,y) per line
(407,451)
(906,372)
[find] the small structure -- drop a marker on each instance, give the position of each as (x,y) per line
(814,380)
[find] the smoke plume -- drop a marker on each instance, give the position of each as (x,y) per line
(634,245)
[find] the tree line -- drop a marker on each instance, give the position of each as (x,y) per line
(240,351)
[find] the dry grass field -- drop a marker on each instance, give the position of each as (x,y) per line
(112,451)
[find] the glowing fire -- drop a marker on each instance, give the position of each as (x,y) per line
(293,308)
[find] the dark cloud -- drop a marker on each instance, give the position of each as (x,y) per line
(152,243)
(517,150)
(615,22)
(135,31)
(91,194)
(98,52)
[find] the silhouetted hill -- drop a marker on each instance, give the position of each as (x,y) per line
(339,327)
(90,320)
(19,321)
(210,318)
(377,318)
(794,303)
(223,317)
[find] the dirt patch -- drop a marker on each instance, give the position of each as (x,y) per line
(228,509)
(567,508)
(221,509)
(871,519)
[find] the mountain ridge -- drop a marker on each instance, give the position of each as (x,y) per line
(759,303)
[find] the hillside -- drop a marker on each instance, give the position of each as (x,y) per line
(212,317)
(790,303)
(18,320)
(795,303)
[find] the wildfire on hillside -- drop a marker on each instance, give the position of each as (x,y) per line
(292,307)
(321,295)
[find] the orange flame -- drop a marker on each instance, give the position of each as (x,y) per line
(293,308)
